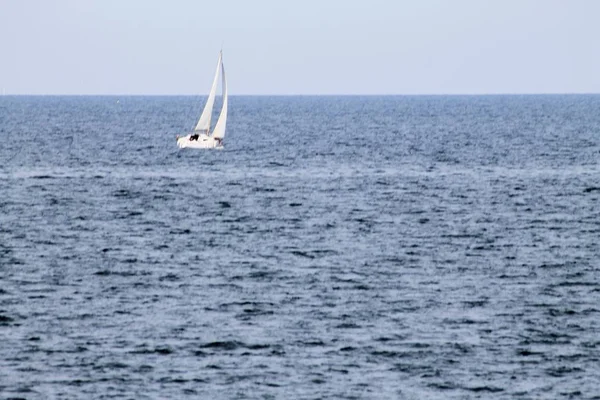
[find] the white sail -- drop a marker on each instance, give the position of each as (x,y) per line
(204,121)
(219,131)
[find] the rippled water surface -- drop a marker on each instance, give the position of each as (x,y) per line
(338,247)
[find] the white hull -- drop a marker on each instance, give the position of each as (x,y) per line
(203,142)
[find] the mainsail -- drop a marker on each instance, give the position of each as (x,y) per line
(219,131)
(204,121)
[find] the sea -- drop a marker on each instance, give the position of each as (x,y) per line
(338,247)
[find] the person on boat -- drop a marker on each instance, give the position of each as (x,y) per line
(194,137)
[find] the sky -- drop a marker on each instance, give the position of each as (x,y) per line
(300,47)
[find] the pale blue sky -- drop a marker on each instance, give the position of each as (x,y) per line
(300,47)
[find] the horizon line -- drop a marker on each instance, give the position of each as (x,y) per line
(307,94)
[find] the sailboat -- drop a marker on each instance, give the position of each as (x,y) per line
(202,137)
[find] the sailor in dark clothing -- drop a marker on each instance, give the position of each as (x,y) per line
(194,137)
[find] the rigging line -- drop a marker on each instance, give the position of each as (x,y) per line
(197,109)
(196,105)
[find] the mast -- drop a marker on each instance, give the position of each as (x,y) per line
(219,131)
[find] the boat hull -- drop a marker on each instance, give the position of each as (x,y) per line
(203,142)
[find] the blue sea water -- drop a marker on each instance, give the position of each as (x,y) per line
(397,247)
